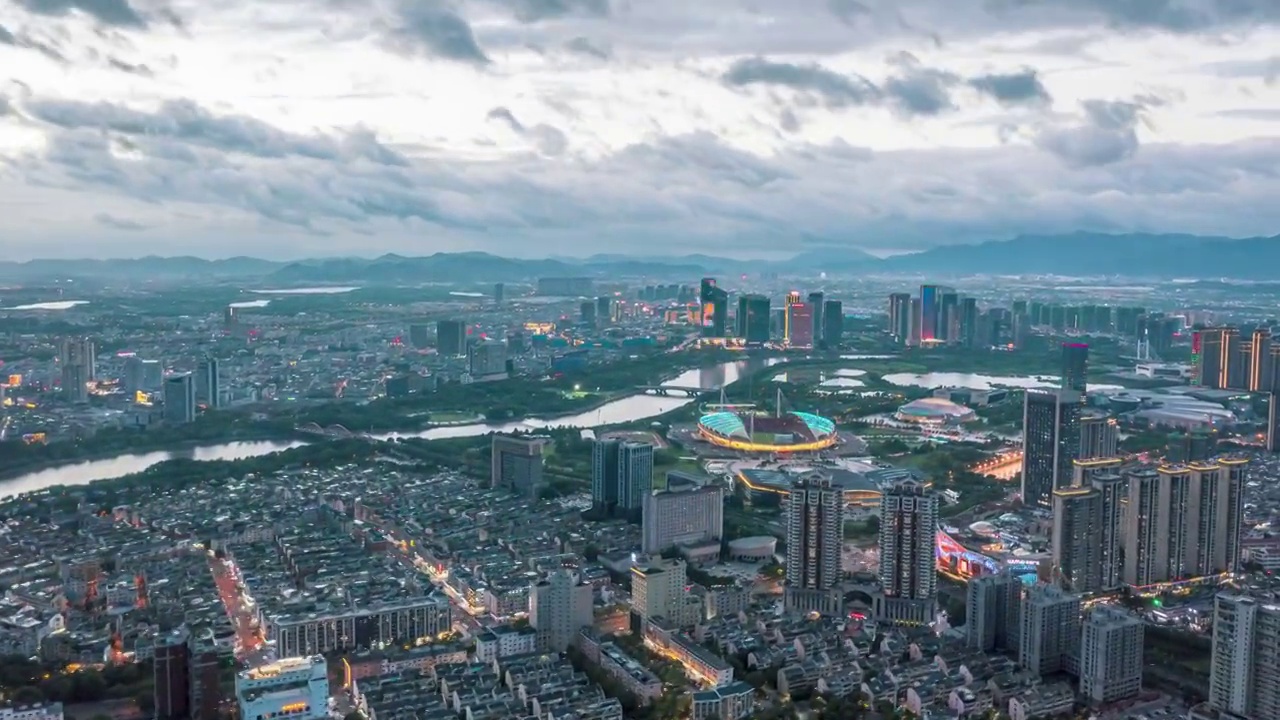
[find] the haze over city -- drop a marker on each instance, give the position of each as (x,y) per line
(298,128)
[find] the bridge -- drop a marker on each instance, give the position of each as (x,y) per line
(685,390)
(336,432)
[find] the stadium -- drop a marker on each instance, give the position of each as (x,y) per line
(786,432)
(935,411)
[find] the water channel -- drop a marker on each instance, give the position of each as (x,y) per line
(627,409)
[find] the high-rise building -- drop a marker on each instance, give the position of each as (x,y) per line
(658,591)
(1099,437)
(1110,655)
(949,316)
(1050,443)
(172,671)
(900,317)
(816,308)
(992,609)
(908,568)
(800,320)
(1077,552)
(499,293)
(179,399)
(559,607)
(1246,657)
(606,310)
(753,319)
(930,301)
(815,531)
(832,323)
(420,335)
(587,313)
(487,358)
(715,309)
(208,383)
(621,475)
(78,363)
(1050,633)
(792,298)
(682,514)
(1075,367)
(969,323)
(516,464)
(1210,365)
(1110,487)
(295,687)
(451,337)
(1183,521)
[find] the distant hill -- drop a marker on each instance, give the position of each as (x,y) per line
(1167,256)
(1182,256)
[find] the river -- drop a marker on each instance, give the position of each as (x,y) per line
(627,409)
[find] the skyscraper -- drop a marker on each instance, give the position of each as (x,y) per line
(559,607)
(816,307)
(793,298)
(1246,657)
(487,358)
(969,323)
(715,309)
(451,337)
(900,317)
(621,475)
(1075,367)
(753,319)
(916,317)
(1050,633)
(908,569)
(815,532)
(1099,437)
(1260,370)
(683,514)
(208,383)
(1111,495)
(1110,655)
(420,335)
(949,316)
(179,399)
(78,360)
(930,300)
(832,323)
(499,293)
(172,673)
(658,591)
(800,320)
(515,463)
(1077,527)
(1050,443)
(992,609)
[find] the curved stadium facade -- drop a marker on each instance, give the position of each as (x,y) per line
(786,433)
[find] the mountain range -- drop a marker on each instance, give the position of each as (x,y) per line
(1079,254)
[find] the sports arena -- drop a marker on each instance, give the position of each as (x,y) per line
(786,432)
(935,411)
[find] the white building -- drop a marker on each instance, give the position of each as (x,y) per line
(683,514)
(1111,656)
(1246,657)
(1050,633)
(908,567)
(504,641)
(558,608)
(658,591)
(37,711)
(295,688)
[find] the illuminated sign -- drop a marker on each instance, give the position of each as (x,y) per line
(294,707)
(15,380)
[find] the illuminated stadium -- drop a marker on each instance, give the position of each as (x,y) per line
(935,411)
(783,433)
(960,563)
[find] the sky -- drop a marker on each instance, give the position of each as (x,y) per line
(746,128)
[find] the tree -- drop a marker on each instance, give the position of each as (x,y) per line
(28,695)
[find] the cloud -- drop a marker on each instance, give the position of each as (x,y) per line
(130,68)
(848,11)
(532,11)
(1107,135)
(582,46)
(434,28)
(118,223)
(189,123)
(1018,88)
(547,139)
(118,13)
(6,37)
(919,90)
(834,89)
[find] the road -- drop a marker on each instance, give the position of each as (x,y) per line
(250,646)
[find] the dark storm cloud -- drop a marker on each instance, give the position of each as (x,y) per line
(189,123)
(109,12)
(583,46)
(532,11)
(1107,135)
(1018,88)
(435,28)
(836,90)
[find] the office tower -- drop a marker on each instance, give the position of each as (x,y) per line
(1110,487)
(208,660)
(1077,526)
(78,363)
(800,320)
(1050,443)
(230,318)
(1260,371)
(420,335)
(559,607)
(621,475)
(1183,521)
(816,308)
(1099,437)
(487,358)
(516,464)
(815,531)
(208,383)
(179,399)
(499,293)
(948,327)
(792,298)
(293,687)
(658,591)
(1211,367)
(587,313)
(715,309)
(908,569)
(1246,657)
(916,317)
(753,319)
(1075,367)
(929,305)
(993,604)
(1234,371)
(451,337)
(969,323)
(1110,656)
(1050,633)
(605,310)
(900,316)
(1273,422)
(832,323)
(683,514)
(172,673)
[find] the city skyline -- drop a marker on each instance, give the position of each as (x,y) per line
(134,128)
